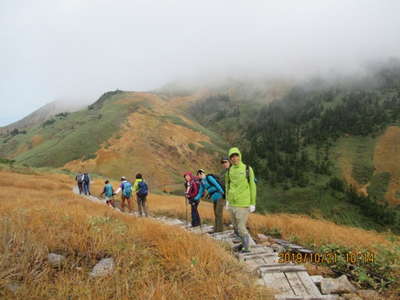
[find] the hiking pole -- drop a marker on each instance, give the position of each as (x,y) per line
(201,226)
(186,201)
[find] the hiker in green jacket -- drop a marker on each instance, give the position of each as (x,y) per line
(241,195)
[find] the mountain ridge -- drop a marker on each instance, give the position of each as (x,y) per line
(41,115)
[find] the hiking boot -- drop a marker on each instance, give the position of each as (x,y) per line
(237,248)
(246,242)
(245,250)
(234,235)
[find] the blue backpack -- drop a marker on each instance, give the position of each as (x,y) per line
(143,189)
(108,189)
(127,189)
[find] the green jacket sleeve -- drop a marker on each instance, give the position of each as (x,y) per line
(253,187)
(135,186)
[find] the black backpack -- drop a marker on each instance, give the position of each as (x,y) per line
(86,178)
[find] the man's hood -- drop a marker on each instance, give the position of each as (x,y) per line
(235,150)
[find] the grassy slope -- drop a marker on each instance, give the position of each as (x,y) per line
(75,136)
(86,232)
(124,133)
(371,164)
(355,160)
(315,201)
(39,215)
(386,180)
(156,141)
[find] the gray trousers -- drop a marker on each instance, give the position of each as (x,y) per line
(239,216)
(142,205)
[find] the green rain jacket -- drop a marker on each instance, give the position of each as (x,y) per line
(239,192)
(136,185)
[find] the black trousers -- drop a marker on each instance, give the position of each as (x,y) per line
(80,187)
(195,213)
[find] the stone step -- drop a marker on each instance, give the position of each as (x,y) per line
(317,279)
(283,268)
(322,297)
(265,255)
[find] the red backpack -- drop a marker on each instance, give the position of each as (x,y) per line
(194,187)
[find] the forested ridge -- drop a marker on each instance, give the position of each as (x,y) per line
(292,143)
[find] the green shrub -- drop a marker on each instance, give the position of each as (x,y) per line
(6,161)
(369,270)
(336,184)
(48,122)
(378,187)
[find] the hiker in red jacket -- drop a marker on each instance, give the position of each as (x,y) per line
(191,190)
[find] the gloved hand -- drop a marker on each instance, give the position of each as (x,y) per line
(252,208)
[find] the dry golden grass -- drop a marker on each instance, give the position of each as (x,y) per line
(39,215)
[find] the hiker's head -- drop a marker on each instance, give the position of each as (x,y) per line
(235,158)
(201,173)
(123,178)
(107,182)
(225,163)
(139,176)
(188,176)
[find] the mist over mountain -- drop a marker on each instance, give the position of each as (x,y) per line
(43,114)
(66,49)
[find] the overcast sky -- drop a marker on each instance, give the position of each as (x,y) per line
(77,49)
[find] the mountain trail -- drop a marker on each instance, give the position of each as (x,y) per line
(290,280)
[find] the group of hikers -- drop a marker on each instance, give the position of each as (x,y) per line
(140,188)
(83,180)
(234,189)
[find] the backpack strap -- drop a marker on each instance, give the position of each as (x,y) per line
(248,173)
(229,179)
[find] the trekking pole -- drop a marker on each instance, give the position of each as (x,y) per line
(201,226)
(187,223)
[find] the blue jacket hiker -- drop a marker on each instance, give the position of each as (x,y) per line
(216,194)
(108,193)
(210,184)
(126,188)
